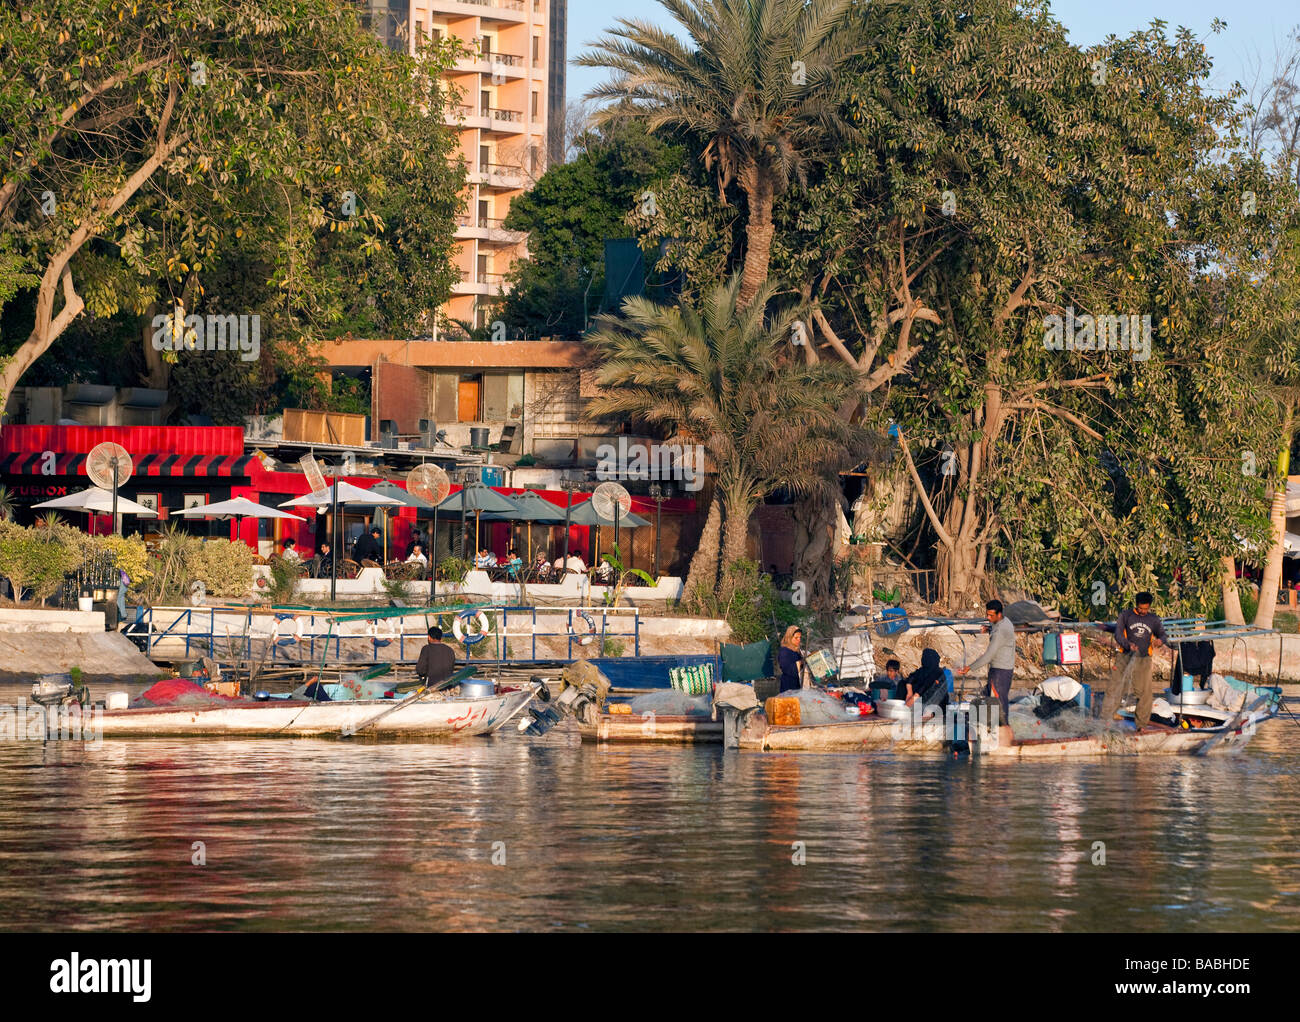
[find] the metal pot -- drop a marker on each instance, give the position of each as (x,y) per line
(895,709)
(477,689)
(1197,697)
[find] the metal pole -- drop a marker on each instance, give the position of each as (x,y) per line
(568,512)
(618,506)
(116,530)
(334,546)
(433,557)
(659,503)
(463,487)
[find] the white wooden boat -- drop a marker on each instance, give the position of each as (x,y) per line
(434,716)
(678,729)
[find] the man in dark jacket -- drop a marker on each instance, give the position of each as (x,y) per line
(367,547)
(323,562)
(437,660)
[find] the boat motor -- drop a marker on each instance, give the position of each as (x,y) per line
(583,694)
(53,693)
(737,703)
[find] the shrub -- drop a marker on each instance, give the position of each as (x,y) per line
(223,566)
(754,610)
(453,569)
(38,559)
(284,579)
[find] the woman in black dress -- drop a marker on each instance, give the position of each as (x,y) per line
(789,659)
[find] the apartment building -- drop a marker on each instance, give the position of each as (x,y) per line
(507,90)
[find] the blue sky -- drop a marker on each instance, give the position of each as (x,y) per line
(1254,28)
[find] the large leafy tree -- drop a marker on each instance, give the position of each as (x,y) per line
(717,373)
(569,214)
(755,79)
(148,150)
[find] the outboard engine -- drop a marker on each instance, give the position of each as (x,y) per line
(583,694)
(737,703)
(53,692)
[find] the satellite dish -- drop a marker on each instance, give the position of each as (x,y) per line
(429,483)
(608,496)
(108,465)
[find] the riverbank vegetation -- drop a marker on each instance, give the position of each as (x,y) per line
(1060,280)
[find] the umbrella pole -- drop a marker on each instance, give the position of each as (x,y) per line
(433,557)
(115,528)
(617,508)
(462,523)
(568,513)
(334,548)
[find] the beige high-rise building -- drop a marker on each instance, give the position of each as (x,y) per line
(508,89)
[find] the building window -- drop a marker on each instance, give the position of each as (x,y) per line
(537,50)
(419,32)
(536,104)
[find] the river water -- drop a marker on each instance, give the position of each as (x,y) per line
(508,833)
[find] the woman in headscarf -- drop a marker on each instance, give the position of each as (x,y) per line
(789,658)
(927,682)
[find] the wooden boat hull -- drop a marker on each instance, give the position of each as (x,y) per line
(432,718)
(632,727)
(880,735)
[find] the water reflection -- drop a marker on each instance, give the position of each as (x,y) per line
(508,833)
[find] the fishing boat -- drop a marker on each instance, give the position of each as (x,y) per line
(474,708)
(1223,720)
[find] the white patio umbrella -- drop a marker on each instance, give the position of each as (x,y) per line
(96,501)
(335,495)
(238,508)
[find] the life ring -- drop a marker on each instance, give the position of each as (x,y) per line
(458,627)
(372,630)
(295,630)
(584,638)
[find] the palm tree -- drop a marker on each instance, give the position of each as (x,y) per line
(755,80)
(716,374)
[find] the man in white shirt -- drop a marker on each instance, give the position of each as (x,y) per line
(574,564)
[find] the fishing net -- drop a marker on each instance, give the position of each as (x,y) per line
(671,703)
(178,692)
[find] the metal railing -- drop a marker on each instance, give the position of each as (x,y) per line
(297,636)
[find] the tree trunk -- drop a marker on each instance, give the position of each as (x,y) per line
(702,579)
(1272,579)
(814,551)
(1231,598)
(735,536)
(158,372)
(758,235)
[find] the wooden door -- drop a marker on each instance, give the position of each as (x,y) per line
(468,400)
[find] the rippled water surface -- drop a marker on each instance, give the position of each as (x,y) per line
(307,834)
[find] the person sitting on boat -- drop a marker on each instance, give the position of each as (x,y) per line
(790,659)
(894,675)
(437,660)
(1138,632)
(1195,659)
(323,562)
(927,683)
(417,556)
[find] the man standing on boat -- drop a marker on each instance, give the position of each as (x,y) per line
(437,660)
(1001,660)
(1138,632)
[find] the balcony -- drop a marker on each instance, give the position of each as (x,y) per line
(498,65)
(487,229)
(481,283)
(513,11)
(505,176)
